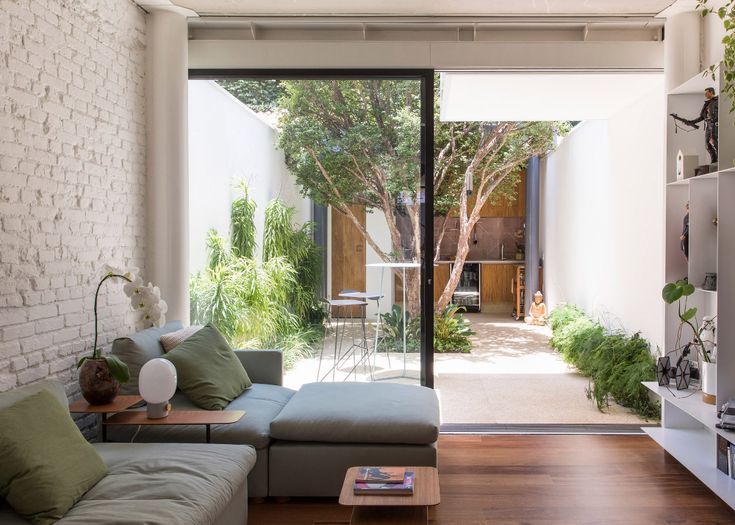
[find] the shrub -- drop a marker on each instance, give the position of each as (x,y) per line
(261,304)
(451,331)
(615,363)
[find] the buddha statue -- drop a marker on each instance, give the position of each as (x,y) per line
(537,313)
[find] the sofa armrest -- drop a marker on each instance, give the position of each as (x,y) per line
(262,366)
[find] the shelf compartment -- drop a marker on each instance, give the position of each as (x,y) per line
(702,230)
(696,450)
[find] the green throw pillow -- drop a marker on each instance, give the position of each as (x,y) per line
(208,371)
(46,465)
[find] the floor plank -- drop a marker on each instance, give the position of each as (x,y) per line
(550,480)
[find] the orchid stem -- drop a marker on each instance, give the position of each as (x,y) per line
(96,352)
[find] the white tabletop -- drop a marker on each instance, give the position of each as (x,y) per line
(394,265)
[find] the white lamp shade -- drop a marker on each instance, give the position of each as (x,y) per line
(157,381)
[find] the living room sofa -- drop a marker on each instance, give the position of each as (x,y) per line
(304,440)
(156,484)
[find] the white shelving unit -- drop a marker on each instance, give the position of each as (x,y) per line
(688,429)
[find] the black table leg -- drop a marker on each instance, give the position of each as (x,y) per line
(209,439)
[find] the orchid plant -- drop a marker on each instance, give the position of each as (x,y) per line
(145,299)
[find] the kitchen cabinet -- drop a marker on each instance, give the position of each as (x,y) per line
(496,287)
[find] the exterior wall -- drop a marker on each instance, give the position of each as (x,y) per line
(228,142)
(72,178)
(602,218)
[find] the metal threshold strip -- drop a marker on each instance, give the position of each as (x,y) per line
(549,429)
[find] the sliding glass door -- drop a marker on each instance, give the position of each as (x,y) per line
(311,224)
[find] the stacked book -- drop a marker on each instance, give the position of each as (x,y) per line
(391,481)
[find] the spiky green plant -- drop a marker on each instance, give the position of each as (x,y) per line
(282,239)
(242,218)
(452,331)
(261,304)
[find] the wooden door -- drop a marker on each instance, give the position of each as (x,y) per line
(348,255)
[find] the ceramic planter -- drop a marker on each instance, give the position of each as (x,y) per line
(96,382)
(709,382)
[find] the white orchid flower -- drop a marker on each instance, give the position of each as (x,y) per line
(133,288)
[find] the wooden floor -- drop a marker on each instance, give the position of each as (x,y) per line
(550,480)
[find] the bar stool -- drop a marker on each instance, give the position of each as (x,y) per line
(339,354)
(370,296)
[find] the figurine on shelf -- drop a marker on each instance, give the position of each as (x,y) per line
(708,115)
(537,313)
(684,237)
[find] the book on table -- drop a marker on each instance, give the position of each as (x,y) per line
(381,474)
(405,488)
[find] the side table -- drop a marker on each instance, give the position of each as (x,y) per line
(382,509)
(119,404)
(178,417)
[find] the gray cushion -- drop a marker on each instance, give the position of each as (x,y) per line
(163,484)
(138,349)
(261,404)
(55,387)
(360,413)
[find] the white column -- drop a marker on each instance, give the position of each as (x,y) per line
(682,48)
(167,189)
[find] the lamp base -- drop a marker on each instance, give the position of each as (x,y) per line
(157,410)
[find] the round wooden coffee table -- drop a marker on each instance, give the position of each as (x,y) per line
(381,509)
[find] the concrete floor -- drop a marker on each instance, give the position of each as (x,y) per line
(512,376)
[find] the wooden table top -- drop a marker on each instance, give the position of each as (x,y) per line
(425,491)
(120,403)
(178,417)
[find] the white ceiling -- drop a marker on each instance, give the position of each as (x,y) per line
(511,96)
(424,7)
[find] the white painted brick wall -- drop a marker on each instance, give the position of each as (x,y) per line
(72,177)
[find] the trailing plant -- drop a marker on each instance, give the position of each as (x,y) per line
(678,292)
(726,13)
(452,331)
(616,363)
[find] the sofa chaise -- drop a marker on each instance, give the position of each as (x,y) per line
(304,440)
(156,484)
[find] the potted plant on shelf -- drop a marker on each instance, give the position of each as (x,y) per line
(100,375)
(702,341)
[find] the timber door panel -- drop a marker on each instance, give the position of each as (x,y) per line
(348,256)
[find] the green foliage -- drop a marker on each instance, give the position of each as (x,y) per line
(726,13)
(242,218)
(615,363)
(563,315)
(261,304)
(392,326)
(282,239)
(259,95)
(679,292)
(452,331)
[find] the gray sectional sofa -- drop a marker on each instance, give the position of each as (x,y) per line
(156,484)
(304,440)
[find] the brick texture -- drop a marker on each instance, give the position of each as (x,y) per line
(72,178)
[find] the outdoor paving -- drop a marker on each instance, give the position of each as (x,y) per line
(512,376)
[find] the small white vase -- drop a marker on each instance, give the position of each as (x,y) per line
(709,382)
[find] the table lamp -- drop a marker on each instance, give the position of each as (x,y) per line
(157,383)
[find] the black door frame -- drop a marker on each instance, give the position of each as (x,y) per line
(426,76)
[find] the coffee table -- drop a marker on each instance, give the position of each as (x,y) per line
(206,418)
(380,509)
(119,404)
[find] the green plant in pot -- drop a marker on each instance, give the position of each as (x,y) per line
(100,374)
(679,292)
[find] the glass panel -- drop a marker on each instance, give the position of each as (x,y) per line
(305,230)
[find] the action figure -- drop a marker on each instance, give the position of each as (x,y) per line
(708,114)
(684,237)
